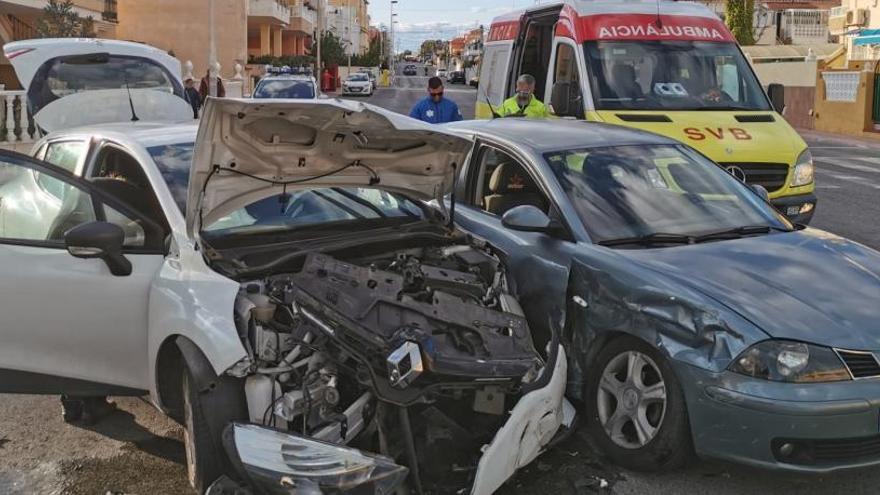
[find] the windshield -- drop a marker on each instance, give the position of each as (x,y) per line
(285,89)
(357,77)
(672,75)
(311,207)
(630,191)
(174,162)
(63,76)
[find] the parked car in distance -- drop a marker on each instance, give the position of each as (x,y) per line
(702,317)
(409,70)
(357,84)
(456,77)
(291,86)
(474,82)
(370,72)
(441,73)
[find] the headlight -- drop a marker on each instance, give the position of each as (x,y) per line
(790,361)
(803,170)
(282,463)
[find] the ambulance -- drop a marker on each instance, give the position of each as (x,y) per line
(672,68)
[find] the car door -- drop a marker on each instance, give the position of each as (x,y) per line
(538,263)
(67,324)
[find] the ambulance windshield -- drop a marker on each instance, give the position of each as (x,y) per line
(672,75)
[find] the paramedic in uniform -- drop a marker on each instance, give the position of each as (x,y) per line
(524,103)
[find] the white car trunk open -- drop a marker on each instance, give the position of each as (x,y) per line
(78,82)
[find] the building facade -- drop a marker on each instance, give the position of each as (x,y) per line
(857,25)
(349,21)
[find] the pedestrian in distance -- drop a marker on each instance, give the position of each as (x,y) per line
(434,108)
(192,96)
(524,103)
(205,87)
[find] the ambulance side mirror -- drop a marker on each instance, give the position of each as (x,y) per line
(566,100)
(776,92)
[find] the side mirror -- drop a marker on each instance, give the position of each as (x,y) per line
(99,240)
(761,191)
(776,92)
(566,100)
(526,218)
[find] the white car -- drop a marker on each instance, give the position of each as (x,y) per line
(357,84)
(281,288)
(441,73)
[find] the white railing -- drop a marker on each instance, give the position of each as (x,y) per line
(15,126)
(803,26)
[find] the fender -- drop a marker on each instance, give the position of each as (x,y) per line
(199,367)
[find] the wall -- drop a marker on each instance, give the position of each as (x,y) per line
(853,118)
(801,74)
(183,27)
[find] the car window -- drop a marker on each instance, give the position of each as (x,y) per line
(66,75)
(622,192)
(133,228)
(311,207)
(66,154)
(502,183)
(120,175)
(28,213)
(174,162)
(285,89)
(494,67)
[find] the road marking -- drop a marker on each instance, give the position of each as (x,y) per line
(845,163)
(862,181)
(827,186)
(856,147)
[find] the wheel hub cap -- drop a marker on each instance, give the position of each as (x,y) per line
(631,400)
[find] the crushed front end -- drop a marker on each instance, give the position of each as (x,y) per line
(372,369)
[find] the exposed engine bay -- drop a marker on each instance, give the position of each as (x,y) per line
(417,354)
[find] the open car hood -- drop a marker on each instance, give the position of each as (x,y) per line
(339,143)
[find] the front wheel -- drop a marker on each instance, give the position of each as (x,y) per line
(204,453)
(635,407)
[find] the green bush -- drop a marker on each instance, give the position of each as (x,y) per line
(740,16)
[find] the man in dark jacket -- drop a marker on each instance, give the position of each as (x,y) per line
(434,109)
(192,96)
(205,86)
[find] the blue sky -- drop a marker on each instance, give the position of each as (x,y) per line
(433,19)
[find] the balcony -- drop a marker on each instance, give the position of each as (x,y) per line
(269,11)
(302,19)
(837,21)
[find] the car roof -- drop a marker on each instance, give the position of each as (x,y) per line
(559,134)
(146,134)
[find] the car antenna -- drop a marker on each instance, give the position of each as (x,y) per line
(134,117)
(659,20)
(494,113)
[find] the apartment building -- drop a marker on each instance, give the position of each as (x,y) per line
(857,24)
(19,19)
(349,21)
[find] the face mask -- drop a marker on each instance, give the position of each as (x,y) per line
(523,97)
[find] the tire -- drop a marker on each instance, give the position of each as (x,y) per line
(640,419)
(205,457)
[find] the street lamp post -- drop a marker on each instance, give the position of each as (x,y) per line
(391,36)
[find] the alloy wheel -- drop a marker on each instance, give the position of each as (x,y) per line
(631,399)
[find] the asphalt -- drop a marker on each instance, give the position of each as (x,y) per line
(138,451)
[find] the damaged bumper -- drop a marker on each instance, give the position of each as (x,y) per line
(276,462)
(816,427)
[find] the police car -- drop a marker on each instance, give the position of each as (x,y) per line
(287,82)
